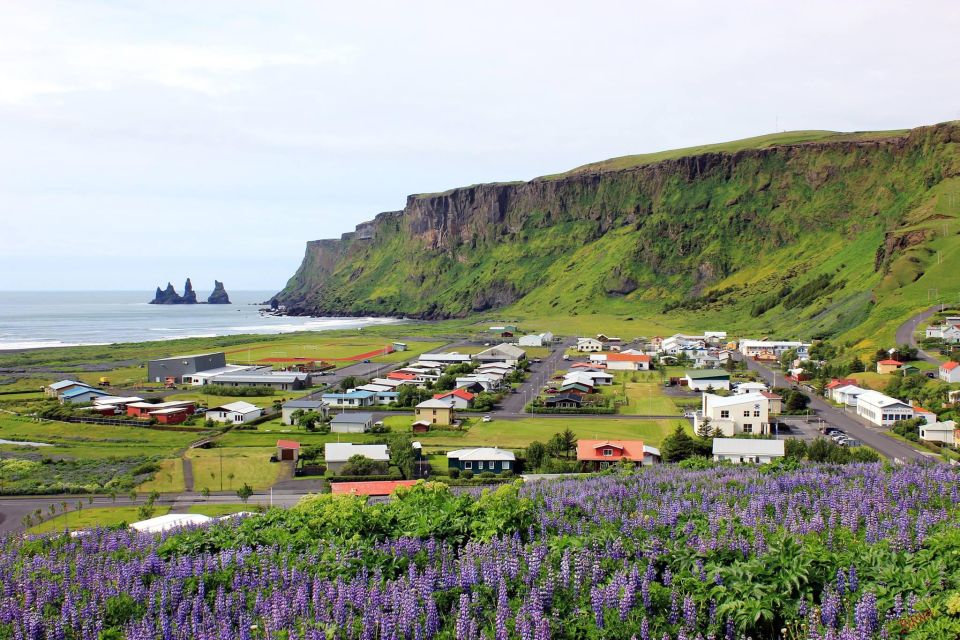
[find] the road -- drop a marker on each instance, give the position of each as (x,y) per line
(905,334)
(871,436)
(540,374)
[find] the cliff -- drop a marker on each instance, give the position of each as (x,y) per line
(724,228)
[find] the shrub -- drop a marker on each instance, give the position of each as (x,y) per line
(467,474)
(454,473)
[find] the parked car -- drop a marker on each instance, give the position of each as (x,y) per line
(566,356)
(487,418)
(366,361)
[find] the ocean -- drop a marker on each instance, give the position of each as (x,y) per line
(33,319)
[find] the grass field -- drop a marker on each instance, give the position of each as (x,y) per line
(92,441)
(249,465)
(169,479)
(93,517)
(217,510)
(211,400)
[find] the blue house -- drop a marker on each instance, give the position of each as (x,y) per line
(482,459)
(355,398)
(80,395)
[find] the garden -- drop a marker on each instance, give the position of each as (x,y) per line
(860,551)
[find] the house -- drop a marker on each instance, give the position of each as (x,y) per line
(351,423)
(604,338)
(290,406)
(478,382)
(888,366)
(436,412)
(369,487)
(420,426)
(882,410)
(703,380)
(589,345)
(836,383)
(680,343)
(482,459)
(592,378)
(401,376)
(945,432)
(208,376)
(171,415)
(140,409)
(353,398)
(705,360)
(386,397)
(54,390)
(847,394)
(536,339)
(180,366)
(399,346)
(593,365)
(949,331)
(288,450)
(774,403)
(503,328)
(651,455)
(446,358)
(622,361)
(113,405)
(564,401)
(278,380)
(235,412)
(928,417)
(731,415)
(595,455)
(750,387)
(772,349)
(458,398)
(747,450)
(81,395)
(715,335)
(576,387)
(336,454)
(502,353)
(950,371)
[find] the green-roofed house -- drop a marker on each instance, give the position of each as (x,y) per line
(704,379)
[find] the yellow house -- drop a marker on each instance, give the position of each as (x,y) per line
(435,411)
(888,366)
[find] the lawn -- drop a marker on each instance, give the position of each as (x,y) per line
(93,517)
(169,479)
(217,510)
(267,434)
(249,465)
(871,380)
(339,351)
(644,393)
(210,400)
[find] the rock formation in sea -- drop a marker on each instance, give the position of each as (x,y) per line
(219,295)
(167,296)
(189,295)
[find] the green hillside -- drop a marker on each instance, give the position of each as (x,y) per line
(807,234)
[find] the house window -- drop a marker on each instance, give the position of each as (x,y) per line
(480,465)
(746,414)
(468,465)
(724,413)
(756,414)
(748,428)
(608,452)
(505,464)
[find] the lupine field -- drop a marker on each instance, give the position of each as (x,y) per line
(819,552)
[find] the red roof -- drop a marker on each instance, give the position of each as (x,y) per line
(836,383)
(922,410)
(770,395)
(373,488)
(890,362)
(627,357)
(590,449)
(589,365)
(400,375)
(460,393)
(287,444)
(950,366)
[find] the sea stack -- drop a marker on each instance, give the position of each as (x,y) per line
(189,295)
(166,296)
(219,295)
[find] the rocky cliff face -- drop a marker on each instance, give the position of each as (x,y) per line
(219,295)
(664,231)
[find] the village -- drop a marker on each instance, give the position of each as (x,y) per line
(506,403)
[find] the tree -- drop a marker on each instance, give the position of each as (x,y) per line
(402,454)
(205,492)
(309,419)
(484,401)
(795,448)
(563,442)
(856,365)
(277,406)
(245,492)
(358,465)
(704,429)
(446,382)
(679,446)
(230,478)
(536,453)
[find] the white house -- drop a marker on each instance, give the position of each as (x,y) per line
(772,349)
(747,450)
(945,432)
(622,361)
(352,399)
(510,353)
(715,335)
(536,339)
(948,332)
(353,422)
(488,382)
(706,379)
(289,407)
(680,343)
(589,345)
(748,413)
(950,371)
(847,394)
(750,387)
(336,454)
(235,412)
(882,410)
(446,358)
(591,378)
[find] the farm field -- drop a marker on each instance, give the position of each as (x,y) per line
(88,518)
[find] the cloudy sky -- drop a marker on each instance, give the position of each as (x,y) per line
(142,142)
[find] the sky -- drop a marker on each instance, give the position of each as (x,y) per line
(144,142)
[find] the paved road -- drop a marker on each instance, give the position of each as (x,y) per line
(871,436)
(905,334)
(540,374)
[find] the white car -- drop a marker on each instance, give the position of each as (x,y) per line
(487,419)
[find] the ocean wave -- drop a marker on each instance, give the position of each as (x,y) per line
(310,324)
(44,344)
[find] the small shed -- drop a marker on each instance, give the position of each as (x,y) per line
(288,450)
(421,426)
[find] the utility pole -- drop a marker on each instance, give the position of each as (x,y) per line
(221,468)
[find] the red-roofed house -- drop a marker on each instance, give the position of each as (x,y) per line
(836,383)
(371,488)
(775,404)
(589,365)
(400,375)
(929,416)
(888,366)
(600,454)
(461,398)
(628,362)
(288,450)
(950,371)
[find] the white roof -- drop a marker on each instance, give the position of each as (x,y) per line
(435,403)
(64,383)
(947,425)
(169,521)
(849,389)
(726,401)
(211,373)
(752,385)
(770,343)
(878,399)
(116,400)
(375,387)
(238,407)
(341,451)
(747,447)
(651,450)
(482,453)
(505,349)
